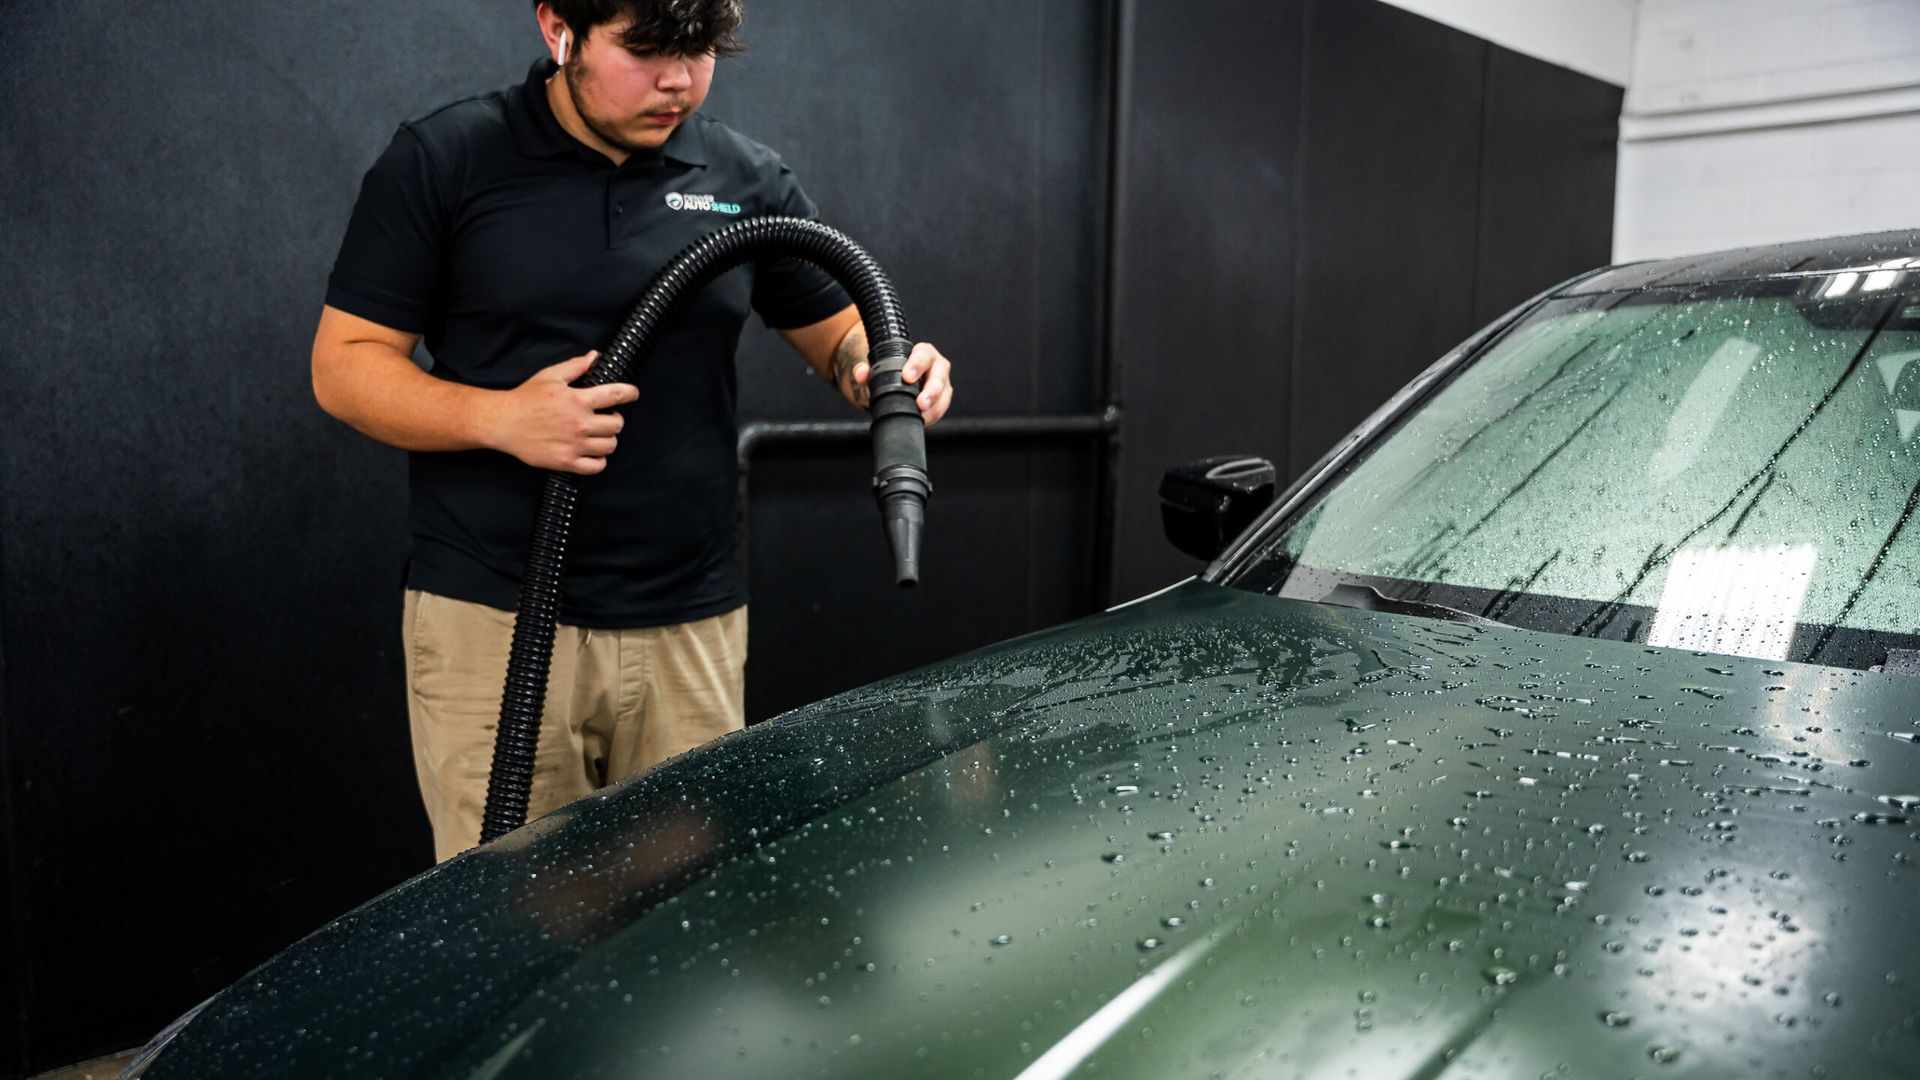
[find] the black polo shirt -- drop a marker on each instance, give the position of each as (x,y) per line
(511,246)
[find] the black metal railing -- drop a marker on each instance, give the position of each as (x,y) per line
(1105,426)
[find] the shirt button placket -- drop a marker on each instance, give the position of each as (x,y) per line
(616,213)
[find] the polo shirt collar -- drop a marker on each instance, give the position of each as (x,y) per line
(537,132)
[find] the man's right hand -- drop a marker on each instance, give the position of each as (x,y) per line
(550,424)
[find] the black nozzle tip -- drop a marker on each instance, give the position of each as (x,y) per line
(904,515)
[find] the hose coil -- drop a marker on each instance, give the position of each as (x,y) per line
(899,451)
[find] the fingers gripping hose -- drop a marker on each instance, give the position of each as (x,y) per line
(899,460)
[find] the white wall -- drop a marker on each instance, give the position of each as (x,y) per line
(1752,121)
(1590,36)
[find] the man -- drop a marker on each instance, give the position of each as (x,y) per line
(512,230)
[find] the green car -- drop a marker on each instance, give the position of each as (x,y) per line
(1562,722)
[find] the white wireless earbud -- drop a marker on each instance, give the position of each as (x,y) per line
(566,44)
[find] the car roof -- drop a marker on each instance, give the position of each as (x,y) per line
(1796,258)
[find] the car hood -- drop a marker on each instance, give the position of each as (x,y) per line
(1213,833)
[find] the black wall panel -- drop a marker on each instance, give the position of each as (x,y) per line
(207,742)
(1204,253)
(1315,207)
(1390,169)
(1546,179)
(205,733)
(1005,555)
(963,144)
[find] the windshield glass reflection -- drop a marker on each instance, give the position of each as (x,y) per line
(1728,468)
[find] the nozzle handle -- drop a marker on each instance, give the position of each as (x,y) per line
(900,482)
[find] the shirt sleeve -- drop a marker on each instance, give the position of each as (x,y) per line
(392,259)
(789,293)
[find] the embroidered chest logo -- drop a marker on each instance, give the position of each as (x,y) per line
(679,201)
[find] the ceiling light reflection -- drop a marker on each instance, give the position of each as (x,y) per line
(1841,285)
(1879,280)
(1733,600)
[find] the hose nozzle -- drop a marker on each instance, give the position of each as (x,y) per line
(903,512)
(900,482)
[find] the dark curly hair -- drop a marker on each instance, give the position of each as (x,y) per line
(677,27)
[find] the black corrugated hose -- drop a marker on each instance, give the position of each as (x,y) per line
(899,457)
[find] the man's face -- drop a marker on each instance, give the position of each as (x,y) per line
(634,99)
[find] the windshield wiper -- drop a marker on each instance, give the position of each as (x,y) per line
(1368,598)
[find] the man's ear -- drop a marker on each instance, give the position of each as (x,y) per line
(554,32)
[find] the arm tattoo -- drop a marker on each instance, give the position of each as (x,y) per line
(852,350)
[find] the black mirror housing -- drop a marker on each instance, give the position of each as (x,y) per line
(1205,504)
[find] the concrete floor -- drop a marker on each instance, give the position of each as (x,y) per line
(106,1068)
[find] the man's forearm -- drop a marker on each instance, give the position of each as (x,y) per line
(367,378)
(836,349)
(384,395)
(851,352)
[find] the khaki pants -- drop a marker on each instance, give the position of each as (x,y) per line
(617,702)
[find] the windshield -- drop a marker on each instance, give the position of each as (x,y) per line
(1728,468)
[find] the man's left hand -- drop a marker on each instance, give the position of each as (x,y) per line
(932,371)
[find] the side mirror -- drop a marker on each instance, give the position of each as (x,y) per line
(1206,503)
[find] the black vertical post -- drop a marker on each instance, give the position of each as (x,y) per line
(14,983)
(1120,29)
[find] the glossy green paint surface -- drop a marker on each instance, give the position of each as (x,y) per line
(1212,834)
